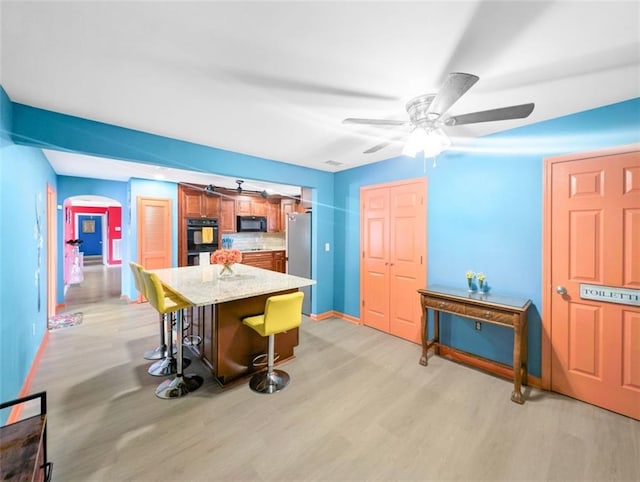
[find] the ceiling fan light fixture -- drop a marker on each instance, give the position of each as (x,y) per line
(431,142)
(435,142)
(415,142)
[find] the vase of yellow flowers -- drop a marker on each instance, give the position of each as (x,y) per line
(481,282)
(470,275)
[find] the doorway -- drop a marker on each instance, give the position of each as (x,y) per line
(91,235)
(591,347)
(89,229)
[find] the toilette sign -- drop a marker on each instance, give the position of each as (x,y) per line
(612,294)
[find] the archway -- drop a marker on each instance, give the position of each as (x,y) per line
(95,222)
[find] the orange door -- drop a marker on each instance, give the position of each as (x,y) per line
(154,232)
(375,258)
(51,252)
(407,258)
(393,229)
(595,239)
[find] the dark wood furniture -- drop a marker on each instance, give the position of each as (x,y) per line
(489,308)
(23,444)
(272,260)
(224,205)
(228,347)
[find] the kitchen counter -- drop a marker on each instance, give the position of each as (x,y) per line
(227,346)
(201,285)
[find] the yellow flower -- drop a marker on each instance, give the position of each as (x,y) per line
(481,277)
(470,274)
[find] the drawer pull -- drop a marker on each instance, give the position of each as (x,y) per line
(487,314)
(441,303)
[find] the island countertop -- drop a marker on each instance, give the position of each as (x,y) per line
(201,286)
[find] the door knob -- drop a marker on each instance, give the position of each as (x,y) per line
(561,290)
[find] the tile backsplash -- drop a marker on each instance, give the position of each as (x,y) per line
(249,241)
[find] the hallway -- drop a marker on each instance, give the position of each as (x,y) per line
(101,286)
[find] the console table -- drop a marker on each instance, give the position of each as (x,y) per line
(496,309)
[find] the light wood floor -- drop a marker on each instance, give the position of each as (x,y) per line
(359,407)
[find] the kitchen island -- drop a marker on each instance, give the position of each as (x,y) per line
(226,346)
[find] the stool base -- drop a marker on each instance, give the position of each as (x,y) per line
(267,383)
(166,367)
(179,386)
(158,353)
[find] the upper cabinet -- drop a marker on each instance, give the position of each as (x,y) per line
(196,204)
(273,216)
(248,206)
(227,221)
(226,204)
(210,206)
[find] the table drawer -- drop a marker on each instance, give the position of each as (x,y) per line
(444,305)
(491,314)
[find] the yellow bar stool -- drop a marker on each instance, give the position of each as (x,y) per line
(166,303)
(281,313)
(160,352)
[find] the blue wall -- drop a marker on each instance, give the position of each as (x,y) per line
(484,213)
(24,175)
(45,129)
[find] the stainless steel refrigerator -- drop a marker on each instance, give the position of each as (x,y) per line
(299,252)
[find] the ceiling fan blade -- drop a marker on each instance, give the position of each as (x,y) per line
(454,87)
(377,147)
(382,145)
(504,113)
(375,122)
(264,80)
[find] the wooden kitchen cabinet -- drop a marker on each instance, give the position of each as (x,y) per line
(279,263)
(273,217)
(271,260)
(196,204)
(210,206)
(259,259)
(191,203)
(246,206)
(227,221)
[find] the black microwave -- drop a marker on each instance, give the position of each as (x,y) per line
(256,224)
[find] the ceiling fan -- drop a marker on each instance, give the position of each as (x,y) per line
(427,117)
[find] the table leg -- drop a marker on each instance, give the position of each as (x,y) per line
(424,327)
(516,395)
(525,353)
(436,332)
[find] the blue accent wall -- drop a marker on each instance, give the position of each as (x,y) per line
(24,175)
(484,213)
(46,129)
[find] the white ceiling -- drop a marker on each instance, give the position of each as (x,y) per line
(275,79)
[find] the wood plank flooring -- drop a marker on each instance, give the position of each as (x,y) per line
(359,407)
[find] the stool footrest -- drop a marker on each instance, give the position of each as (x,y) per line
(192,340)
(262,360)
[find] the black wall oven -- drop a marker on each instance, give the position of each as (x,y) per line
(202,237)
